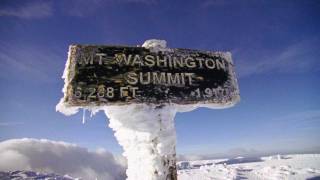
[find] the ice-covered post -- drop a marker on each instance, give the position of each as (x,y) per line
(147,135)
(140,89)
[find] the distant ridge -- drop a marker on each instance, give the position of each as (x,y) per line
(31,175)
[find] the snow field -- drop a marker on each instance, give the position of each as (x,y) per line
(278,167)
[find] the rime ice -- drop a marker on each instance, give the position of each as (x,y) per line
(146,131)
(147,135)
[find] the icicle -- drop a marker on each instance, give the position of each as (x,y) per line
(84,116)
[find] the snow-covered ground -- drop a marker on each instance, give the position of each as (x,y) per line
(278,167)
(302,166)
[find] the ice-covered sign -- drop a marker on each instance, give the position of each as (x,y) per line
(114,75)
(140,89)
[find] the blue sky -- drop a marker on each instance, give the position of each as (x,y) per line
(275,46)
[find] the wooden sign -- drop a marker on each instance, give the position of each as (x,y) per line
(115,75)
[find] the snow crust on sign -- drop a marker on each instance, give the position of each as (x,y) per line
(154,45)
(62,106)
(146,132)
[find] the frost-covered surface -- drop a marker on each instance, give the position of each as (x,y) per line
(47,157)
(279,167)
(146,132)
(147,135)
(156,45)
(67,74)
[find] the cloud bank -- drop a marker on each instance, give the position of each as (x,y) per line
(60,157)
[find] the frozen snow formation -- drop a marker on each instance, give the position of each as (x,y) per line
(156,45)
(62,106)
(147,135)
(145,131)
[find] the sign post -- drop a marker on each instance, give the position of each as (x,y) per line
(150,84)
(148,140)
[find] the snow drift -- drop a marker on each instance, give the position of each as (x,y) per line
(60,157)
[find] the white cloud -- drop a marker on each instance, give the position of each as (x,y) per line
(299,57)
(61,158)
(38,9)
